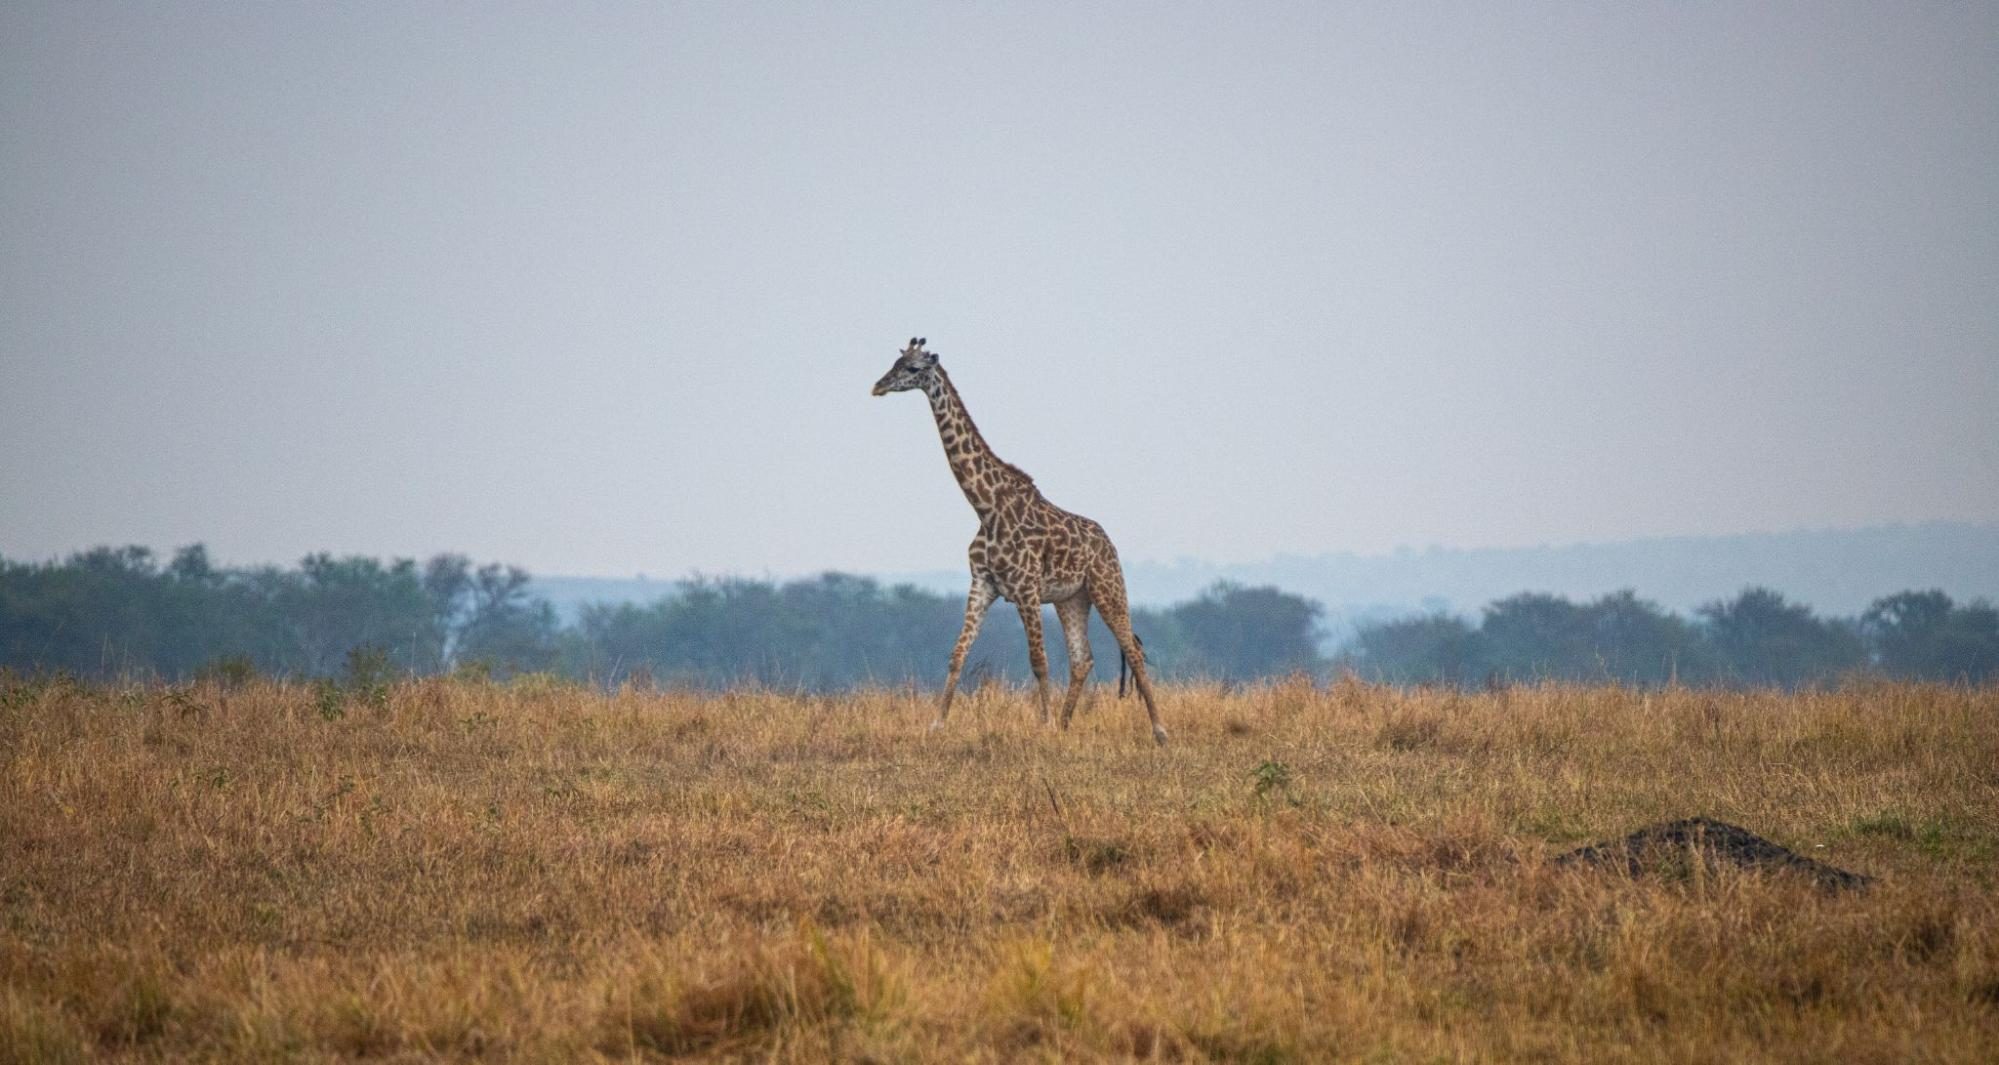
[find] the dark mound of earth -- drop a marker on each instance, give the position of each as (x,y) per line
(1667,848)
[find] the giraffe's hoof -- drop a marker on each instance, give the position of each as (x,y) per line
(1159,735)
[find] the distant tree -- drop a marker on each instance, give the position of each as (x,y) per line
(111,611)
(92,615)
(203,614)
(335,605)
(503,628)
(191,564)
(1926,636)
(1634,642)
(1430,649)
(612,641)
(447,593)
(1534,636)
(1235,633)
(1760,639)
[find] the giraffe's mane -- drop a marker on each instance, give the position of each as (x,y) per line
(1026,478)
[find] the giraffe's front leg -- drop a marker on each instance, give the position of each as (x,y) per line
(1037,652)
(976,602)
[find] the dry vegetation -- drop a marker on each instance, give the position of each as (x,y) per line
(447,869)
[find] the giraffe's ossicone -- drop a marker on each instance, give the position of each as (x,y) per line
(1028,551)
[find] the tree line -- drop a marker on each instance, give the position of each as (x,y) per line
(120,611)
(114,612)
(1756,639)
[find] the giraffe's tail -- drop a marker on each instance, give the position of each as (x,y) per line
(1124,663)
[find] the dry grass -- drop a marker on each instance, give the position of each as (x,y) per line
(536,872)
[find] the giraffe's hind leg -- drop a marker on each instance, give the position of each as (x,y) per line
(1074,614)
(977,601)
(1108,595)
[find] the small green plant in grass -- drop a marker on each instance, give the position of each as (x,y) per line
(328,699)
(1271,777)
(1554,825)
(1886,823)
(184,704)
(1941,836)
(369,673)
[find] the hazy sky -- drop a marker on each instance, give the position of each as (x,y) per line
(602,289)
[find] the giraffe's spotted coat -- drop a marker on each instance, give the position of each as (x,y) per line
(1028,550)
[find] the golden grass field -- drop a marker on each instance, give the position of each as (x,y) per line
(539,872)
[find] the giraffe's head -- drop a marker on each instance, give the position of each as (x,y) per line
(914,367)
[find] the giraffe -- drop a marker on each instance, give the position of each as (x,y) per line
(1028,551)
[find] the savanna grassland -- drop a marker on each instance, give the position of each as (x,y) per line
(534,871)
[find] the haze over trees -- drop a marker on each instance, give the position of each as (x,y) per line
(111,612)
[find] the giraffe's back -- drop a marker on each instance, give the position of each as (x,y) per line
(1046,555)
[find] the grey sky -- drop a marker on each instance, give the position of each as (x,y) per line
(603,289)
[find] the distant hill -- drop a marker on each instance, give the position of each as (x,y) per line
(1836,571)
(570,594)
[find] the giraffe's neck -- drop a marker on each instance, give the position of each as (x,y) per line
(982,474)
